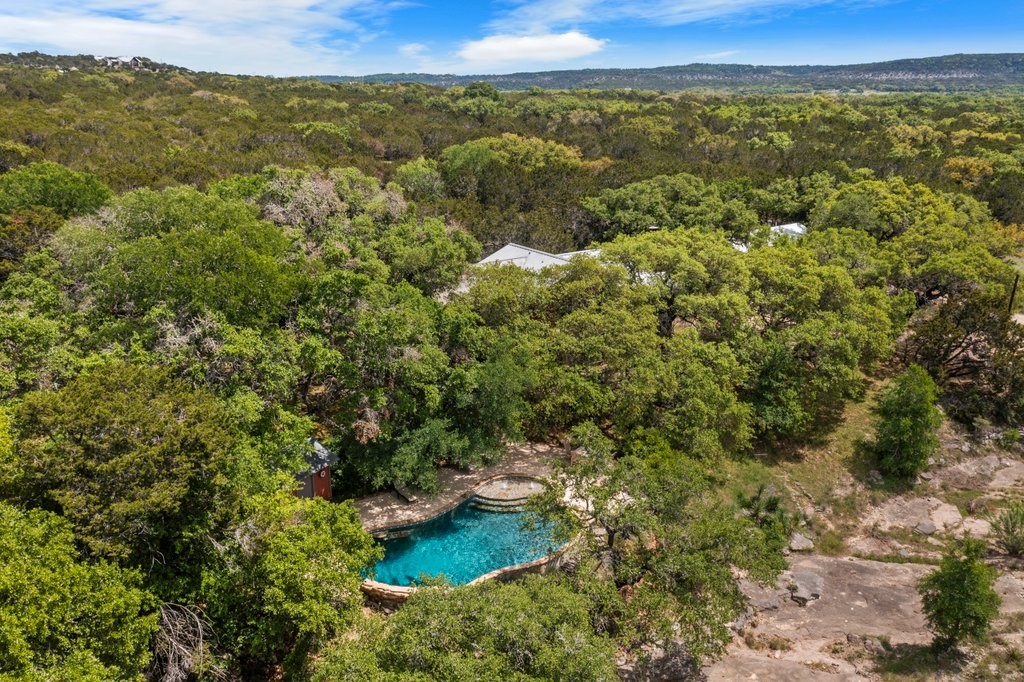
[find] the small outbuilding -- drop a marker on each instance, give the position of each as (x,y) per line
(316,481)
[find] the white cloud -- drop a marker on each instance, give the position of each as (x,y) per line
(724,54)
(497,50)
(412,49)
(280,37)
(542,15)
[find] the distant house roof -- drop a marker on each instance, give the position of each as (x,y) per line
(790,229)
(319,457)
(532,259)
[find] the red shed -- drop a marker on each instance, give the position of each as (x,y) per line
(316,481)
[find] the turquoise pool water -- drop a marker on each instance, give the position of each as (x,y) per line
(463,544)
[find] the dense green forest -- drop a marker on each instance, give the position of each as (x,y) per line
(951,73)
(200,272)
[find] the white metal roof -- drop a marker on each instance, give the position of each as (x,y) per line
(532,259)
(790,229)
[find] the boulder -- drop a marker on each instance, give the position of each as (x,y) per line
(946,515)
(806,586)
(978,528)
(874,646)
(800,543)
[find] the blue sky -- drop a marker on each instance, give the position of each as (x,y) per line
(302,37)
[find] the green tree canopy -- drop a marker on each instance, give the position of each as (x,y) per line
(61,618)
(132,457)
(907,422)
(54,186)
(668,202)
(537,629)
(286,579)
(189,250)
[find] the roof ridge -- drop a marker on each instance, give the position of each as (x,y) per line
(530,248)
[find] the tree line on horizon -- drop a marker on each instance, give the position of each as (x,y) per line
(198,273)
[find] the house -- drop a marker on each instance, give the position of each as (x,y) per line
(532,259)
(134,63)
(316,481)
(789,230)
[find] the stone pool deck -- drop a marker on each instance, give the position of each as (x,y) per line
(386,509)
(509,489)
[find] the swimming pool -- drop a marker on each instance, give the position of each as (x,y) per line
(463,544)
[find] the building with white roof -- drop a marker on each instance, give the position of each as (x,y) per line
(789,230)
(532,259)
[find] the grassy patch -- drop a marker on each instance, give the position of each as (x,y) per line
(1012,624)
(998,665)
(824,467)
(745,476)
(897,559)
(961,498)
(762,642)
(916,663)
(910,538)
(822,666)
(831,543)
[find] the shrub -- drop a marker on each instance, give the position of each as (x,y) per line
(958,599)
(1008,529)
(52,185)
(907,423)
(767,510)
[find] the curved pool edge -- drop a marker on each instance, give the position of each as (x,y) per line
(397,594)
(376,531)
(389,594)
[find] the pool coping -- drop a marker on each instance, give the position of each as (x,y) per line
(386,509)
(396,594)
(462,498)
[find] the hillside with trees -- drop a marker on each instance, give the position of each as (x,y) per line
(950,73)
(199,273)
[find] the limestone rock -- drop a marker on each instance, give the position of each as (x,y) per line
(978,528)
(806,587)
(605,566)
(874,646)
(946,515)
(800,543)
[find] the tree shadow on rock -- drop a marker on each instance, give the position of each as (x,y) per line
(918,660)
(864,467)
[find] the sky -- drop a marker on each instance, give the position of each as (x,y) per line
(359,37)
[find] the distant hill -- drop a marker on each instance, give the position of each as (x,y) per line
(951,73)
(83,62)
(958,72)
